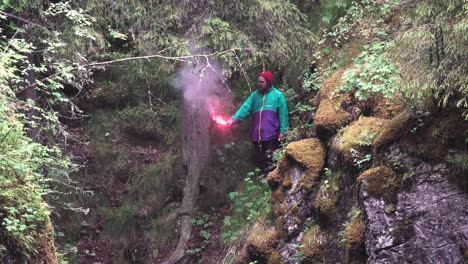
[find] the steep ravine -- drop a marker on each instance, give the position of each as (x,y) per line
(368,190)
(417,214)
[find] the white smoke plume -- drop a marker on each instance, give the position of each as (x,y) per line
(204,83)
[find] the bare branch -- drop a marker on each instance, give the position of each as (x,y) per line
(102,63)
(243,72)
(22,19)
(176,58)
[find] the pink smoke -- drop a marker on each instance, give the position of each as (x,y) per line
(204,83)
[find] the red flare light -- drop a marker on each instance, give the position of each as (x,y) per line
(220,120)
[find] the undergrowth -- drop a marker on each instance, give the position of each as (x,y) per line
(249,204)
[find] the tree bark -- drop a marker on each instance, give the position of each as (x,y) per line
(195,151)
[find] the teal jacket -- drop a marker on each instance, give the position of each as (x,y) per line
(270,114)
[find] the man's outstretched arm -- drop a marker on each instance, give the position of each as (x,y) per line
(244,111)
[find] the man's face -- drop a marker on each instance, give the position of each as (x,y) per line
(262,84)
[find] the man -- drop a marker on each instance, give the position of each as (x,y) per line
(270,119)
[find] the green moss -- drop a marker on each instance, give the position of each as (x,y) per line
(152,185)
(326,200)
(330,117)
(355,251)
(120,224)
(388,108)
(312,246)
(276,199)
(261,242)
(163,229)
(392,130)
(329,114)
(360,134)
(380,182)
(311,154)
(275,258)
(47,251)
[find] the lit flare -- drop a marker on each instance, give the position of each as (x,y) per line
(220,120)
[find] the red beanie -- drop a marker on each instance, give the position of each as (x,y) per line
(267,75)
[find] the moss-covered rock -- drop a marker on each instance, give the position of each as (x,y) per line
(261,243)
(312,246)
(296,173)
(311,154)
(47,253)
(329,114)
(392,130)
(380,182)
(276,177)
(326,200)
(330,117)
(388,108)
(355,248)
(275,258)
(41,246)
(360,135)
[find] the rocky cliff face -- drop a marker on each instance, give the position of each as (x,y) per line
(406,210)
(428,223)
(369,189)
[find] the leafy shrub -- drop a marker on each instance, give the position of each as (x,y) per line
(22,185)
(352,215)
(357,10)
(249,204)
(373,73)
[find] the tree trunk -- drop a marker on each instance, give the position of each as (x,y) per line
(31,94)
(195,150)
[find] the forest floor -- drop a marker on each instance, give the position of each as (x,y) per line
(92,243)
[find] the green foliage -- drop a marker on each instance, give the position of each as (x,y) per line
(459,160)
(151,123)
(134,83)
(153,185)
(357,10)
(309,81)
(22,186)
(327,13)
(328,173)
(23,163)
(354,213)
(246,34)
(203,222)
(432,55)
(249,203)
(120,222)
(298,255)
(373,73)
(224,172)
(15,5)
(421,117)
(162,229)
(360,159)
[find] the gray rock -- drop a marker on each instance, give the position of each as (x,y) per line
(430,223)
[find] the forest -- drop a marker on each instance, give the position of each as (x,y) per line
(114,146)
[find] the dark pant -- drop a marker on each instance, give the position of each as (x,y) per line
(263,154)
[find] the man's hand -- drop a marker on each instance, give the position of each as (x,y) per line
(280,137)
(230,122)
